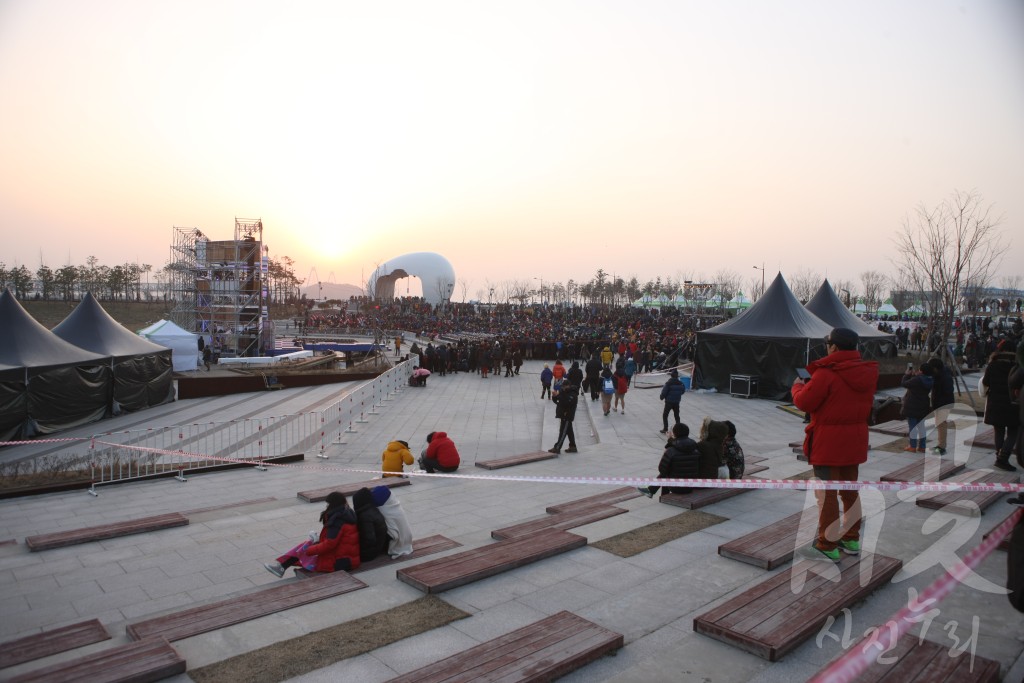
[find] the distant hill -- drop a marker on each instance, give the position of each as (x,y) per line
(330,290)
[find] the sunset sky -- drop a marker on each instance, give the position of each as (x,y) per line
(519,140)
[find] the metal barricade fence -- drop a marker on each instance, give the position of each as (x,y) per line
(136,454)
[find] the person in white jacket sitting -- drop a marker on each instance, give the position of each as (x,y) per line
(398,524)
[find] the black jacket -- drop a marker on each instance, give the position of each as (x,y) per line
(566,400)
(373,529)
(681,460)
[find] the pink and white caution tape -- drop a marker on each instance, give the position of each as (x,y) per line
(858,658)
(774,484)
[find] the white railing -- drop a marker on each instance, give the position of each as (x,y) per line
(141,453)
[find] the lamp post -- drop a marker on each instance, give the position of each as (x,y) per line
(541,288)
(762,277)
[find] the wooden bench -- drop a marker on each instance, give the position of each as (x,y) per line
(543,651)
(971,503)
(514,460)
(983,438)
(567,519)
(915,471)
(320,495)
(927,662)
(141,525)
(152,659)
(616,495)
(436,576)
(773,545)
(770,620)
(891,428)
(702,497)
(51,642)
(276,598)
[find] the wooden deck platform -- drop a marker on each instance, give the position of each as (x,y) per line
(891,428)
(773,545)
(51,642)
(513,460)
(699,498)
(152,659)
(436,576)
(616,495)
(972,504)
(320,495)
(770,620)
(542,651)
(567,519)
(268,600)
(141,525)
(928,662)
(916,471)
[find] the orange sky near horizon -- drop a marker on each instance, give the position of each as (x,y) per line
(543,140)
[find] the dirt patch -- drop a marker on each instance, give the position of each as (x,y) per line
(290,658)
(652,535)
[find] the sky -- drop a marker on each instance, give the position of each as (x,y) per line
(519,140)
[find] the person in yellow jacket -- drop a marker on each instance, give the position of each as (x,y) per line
(395,455)
(606,357)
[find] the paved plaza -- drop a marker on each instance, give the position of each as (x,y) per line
(651,598)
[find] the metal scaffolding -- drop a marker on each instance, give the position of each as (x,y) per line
(219,288)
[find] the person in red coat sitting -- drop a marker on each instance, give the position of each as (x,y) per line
(440,455)
(839,396)
(335,548)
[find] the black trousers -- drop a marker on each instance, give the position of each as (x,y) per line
(564,430)
(669,407)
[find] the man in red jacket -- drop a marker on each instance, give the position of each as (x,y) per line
(440,455)
(839,396)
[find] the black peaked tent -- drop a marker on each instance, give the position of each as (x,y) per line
(770,340)
(46,384)
(141,369)
(826,305)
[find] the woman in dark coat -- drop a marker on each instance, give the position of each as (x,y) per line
(917,404)
(373,528)
(1000,411)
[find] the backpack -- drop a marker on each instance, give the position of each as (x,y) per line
(609,386)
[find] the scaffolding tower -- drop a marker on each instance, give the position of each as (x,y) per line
(219,288)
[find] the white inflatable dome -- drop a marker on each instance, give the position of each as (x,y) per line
(434,271)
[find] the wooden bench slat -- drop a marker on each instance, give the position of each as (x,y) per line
(459,569)
(703,497)
(771,546)
(768,620)
(617,495)
(59,539)
(152,659)
(420,547)
(541,651)
(971,503)
(560,520)
(891,428)
(277,597)
(513,460)
(51,642)
(926,662)
(983,438)
(915,471)
(320,495)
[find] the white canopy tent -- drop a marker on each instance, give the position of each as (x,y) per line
(184,345)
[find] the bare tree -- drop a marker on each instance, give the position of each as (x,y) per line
(945,248)
(463,287)
(727,283)
(754,287)
(519,290)
(874,285)
(846,291)
(804,284)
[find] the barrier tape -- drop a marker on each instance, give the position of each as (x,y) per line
(857,659)
(772,484)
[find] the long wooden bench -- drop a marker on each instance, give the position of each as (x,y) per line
(543,651)
(773,545)
(567,519)
(984,438)
(920,661)
(971,503)
(891,428)
(39,645)
(770,620)
(320,495)
(702,497)
(616,495)
(917,470)
(141,525)
(436,576)
(152,659)
(513,460)
(277,597)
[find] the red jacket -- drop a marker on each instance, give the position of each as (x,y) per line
(839,397)
(339,538)
(442,449)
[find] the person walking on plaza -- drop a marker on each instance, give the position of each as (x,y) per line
(621,387)
(671,393)
(592,380)
(839,397)
(546,376)
(1001,411)
(917,405)
(565,410)
(607,390)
